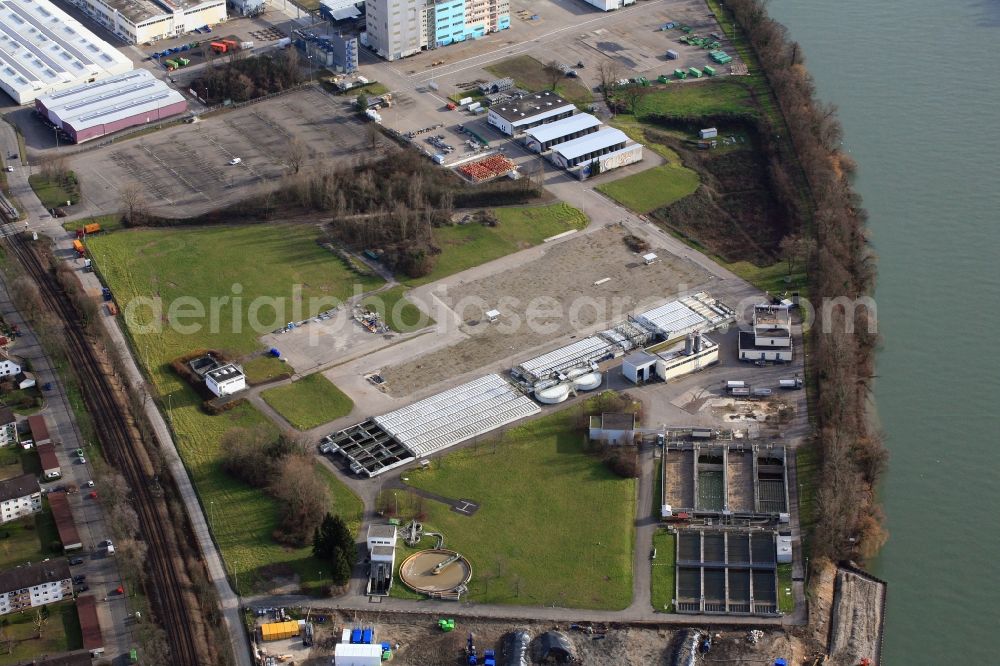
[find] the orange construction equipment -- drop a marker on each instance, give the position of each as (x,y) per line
(92,228)
(232,44)
(78,246)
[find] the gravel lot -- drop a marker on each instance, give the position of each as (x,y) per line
(546,303)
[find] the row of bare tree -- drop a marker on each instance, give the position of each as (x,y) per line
(844,337)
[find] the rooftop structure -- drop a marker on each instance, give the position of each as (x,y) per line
(399,28)
(96,109)
(546,136)
(90,625)
(225,379)
(49,461)
(43,49)
(19,486)
(65,524)
(531,110)
(147,21)
(575,355)
(34,585)
(39,430)
(685,315)
(451,417)
(608,138)
(771,338)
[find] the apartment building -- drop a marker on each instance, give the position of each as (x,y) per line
(19,497)
(34,585)
(400,28)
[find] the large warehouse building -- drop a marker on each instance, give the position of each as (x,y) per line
(608,5)
(594,153)
(93,110)
(44,50)
(145,21)
(540,139)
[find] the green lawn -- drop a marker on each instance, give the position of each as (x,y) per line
(61,633)
(786,599)
(343,500)
(107,222)
(653,188)
(657,489)
(28,539)
(528,73)
(266,260)
(662,593)
(722,95)
(397,311)
(467,245)
(771,278)
(309,402)
(54,194)
(263,367)
(807,467)
(555,525)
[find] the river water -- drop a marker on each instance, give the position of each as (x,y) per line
(918,89)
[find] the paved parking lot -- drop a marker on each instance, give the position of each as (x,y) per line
(185,170)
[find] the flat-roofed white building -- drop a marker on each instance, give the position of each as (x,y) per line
(771,338)
(517,115)
(543,137)
(226,379)
(44,50)
(146,21)
(591,147)
(96,109)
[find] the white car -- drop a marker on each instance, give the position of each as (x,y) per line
(235,161)
(9,168)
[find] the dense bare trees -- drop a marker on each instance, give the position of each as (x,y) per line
(844,335)
(240,80)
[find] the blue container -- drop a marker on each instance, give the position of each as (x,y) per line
(274,352)
(367,637)
(355,636)
(386,646)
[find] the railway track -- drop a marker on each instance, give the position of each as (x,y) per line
(123,447)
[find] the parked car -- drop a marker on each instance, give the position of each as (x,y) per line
(235,161)
(75,560)
(82,460)
(79,452)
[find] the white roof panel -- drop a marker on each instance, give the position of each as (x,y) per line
(43,49)
(109,100)
(561,128)
(609,136)
(674,318)
(451,417)
(564,358)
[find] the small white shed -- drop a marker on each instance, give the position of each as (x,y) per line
(346,654)
(492,316)
(649,258)
(639,367)
(709,133)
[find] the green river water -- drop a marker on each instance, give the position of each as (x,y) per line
(918,89)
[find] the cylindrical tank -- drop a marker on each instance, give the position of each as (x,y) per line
(587,382)
(553,394)
(698,342)
(576,372)
(688,344)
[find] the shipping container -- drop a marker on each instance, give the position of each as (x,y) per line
(680,73)
(355,636)
(219,47)
(739,391)
(366,636)
(709,70)
(275,631)
(672,55)
(695,72)
(735,383)
(708,133)
(91,228)
(78,246)
(761,392)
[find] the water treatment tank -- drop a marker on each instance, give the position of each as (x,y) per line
(587,382)
(553,394)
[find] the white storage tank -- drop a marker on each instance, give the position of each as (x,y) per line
(587,382)
(553,394)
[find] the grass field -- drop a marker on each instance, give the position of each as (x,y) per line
(28,539)
(653,188)
(725,95)
(61,633)
(786,600)
(397,311)
(309,402)
(520,227)
(54,194)
(662,593)
(654,510)
(107,222)
(266,261)
(555,525)
(264,367)
(528,73)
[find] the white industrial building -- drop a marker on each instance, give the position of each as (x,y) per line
(693,353)
(771,337)
(540,139)
(19,497)
(93,110)
(382,555)
(225,379)
(518,115)
(357,654)
(639,367)
(697,312)
(613,428)
(448,418)
(147,21)
(43,49)
(608,5)
(34,585)
(9,366)
(610,147)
